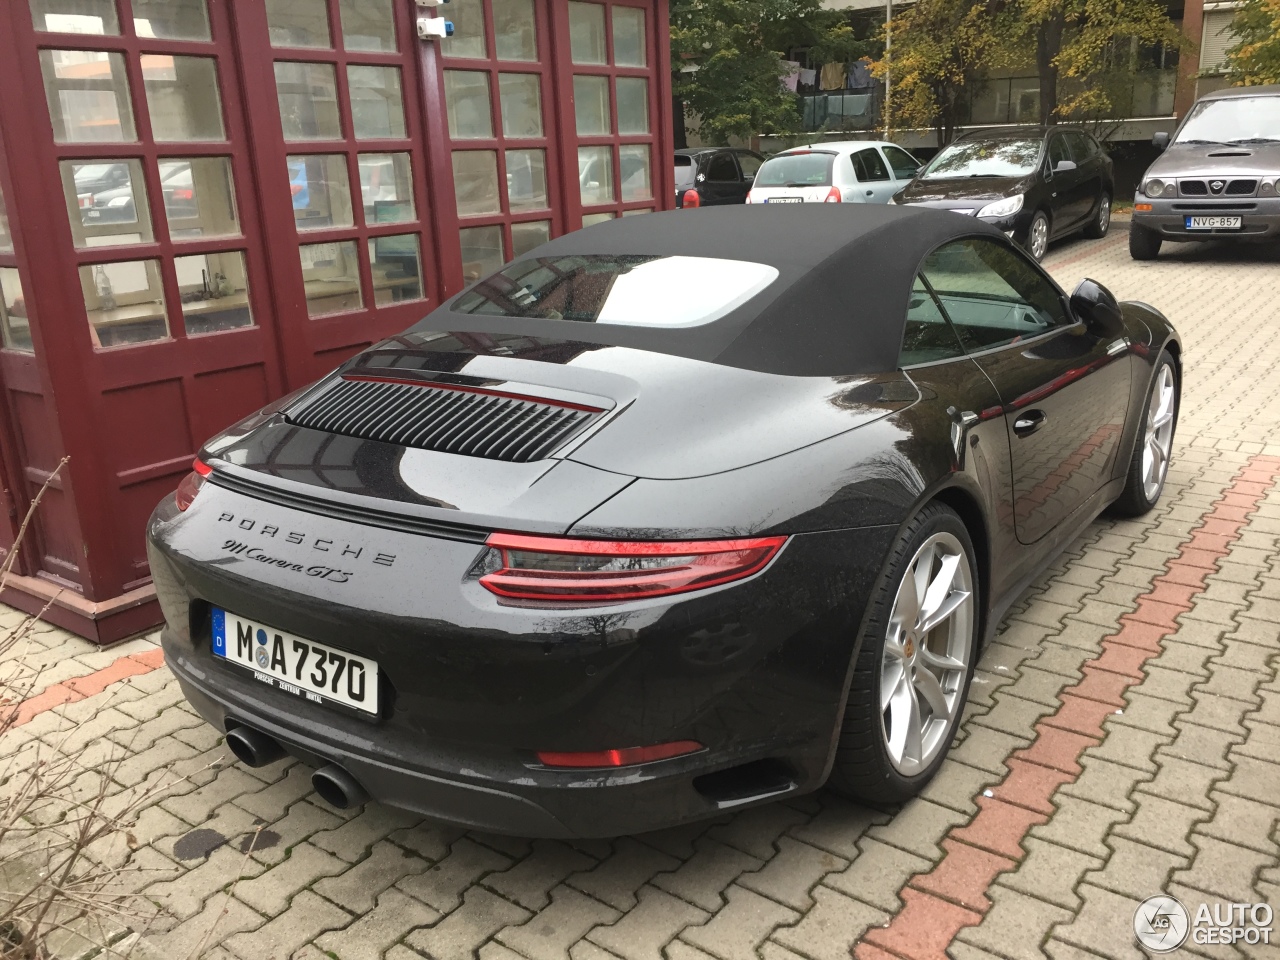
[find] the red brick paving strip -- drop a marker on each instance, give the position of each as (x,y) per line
(89,685)
(953,895)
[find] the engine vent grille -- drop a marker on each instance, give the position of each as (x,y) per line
(448,419)
(1218,188)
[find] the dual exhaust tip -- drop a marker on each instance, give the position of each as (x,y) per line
(335,786)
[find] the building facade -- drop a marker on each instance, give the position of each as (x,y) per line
(205,204)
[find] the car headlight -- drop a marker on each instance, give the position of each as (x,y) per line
(1002,208)
(1268,187)
(1160,188)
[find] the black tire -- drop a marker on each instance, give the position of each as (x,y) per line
(1144,244)
(1040,218)
(863,770)
(1134,500)
(1099,223)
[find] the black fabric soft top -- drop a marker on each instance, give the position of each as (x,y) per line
(838,306)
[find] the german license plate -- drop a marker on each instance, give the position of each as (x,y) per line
(785,200)
(304,668)
(1214,223)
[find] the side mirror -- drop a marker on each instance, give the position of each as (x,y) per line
(1064,166)
(1160,140)
(1098,308)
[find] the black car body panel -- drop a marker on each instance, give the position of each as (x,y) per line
(370,547)
(719,175)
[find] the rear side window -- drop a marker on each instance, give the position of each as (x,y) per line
(1083,147)
(868,167)
(684,171)
(991,294)
(904,164)
(722,169)
(928,336)
(750,165)
(796,170)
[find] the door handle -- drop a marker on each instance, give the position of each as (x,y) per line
(871,193)
(1029,422)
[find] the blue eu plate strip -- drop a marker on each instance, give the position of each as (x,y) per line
(219,632)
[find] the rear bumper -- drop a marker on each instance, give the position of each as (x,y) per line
(1260,218)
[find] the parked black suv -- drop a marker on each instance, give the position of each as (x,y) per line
(714,175)
(1036,184)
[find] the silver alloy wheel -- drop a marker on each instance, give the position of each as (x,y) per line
(926,654)
(1039,237)
(1159,437)
(1104,213)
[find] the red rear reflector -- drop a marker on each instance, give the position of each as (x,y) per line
(191,484)
(833,195)
(626,757)
(691,199)
(561,570)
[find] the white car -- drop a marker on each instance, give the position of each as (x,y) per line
(850,171)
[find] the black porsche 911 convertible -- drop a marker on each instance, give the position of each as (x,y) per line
(668,517)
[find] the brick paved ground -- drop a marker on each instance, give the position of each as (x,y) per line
(1122,739)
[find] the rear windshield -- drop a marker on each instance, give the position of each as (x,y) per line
(984,158)
(647,291)
(684,171)
(797,170)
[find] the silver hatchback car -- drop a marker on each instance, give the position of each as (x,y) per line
(1217,178)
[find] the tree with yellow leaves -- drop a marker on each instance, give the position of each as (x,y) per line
(1256,58)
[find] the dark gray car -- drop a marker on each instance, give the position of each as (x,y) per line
(1217,178)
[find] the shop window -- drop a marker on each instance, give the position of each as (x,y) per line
(526,180)
(591,103)
(299,23)
(124,302)
(628,37)
(468,30)
(106,202)
(466,94)
(331,276)
(368,25)
(586,33)
(88,96)
(633,105)
(183,98)
(199,197)
(636,213)
(14,325)
(215,292)
(637,181)
(527,236)
(475,182)
(377,105)
(514,30)
(321,191)
(595,175)
(386,187)
(521,96)
(397,268)
(591,219)
(171,19)
(308,98)
(96,17)
(481,252)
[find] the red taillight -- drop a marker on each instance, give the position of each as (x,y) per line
(555,569)
(833,195)
(191,484)
(748,200)
(183,193)
(691,199)
(626,757)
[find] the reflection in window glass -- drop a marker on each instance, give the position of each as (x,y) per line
(88,96)
(6,238)
(526,236)
(215,292)
(182,97)
(397,268)
(526,180)
(308,97)
(15,328)
(628,37)
(593,218)
(475,182)
(386,186)
(466,96)
(636,213)
(106,202)
(321,191)
(591,103)
(521,95)
(514,30)
(468,30)
(331,275)
(171,19)
(199,197)
(481,252)
(377,107)
(76,16)
(586,33)
(595,175)
(637,182)
(124,302)
(368,25)
(298,23)
(633,105)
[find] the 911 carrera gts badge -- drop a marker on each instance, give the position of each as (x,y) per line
(320,570)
